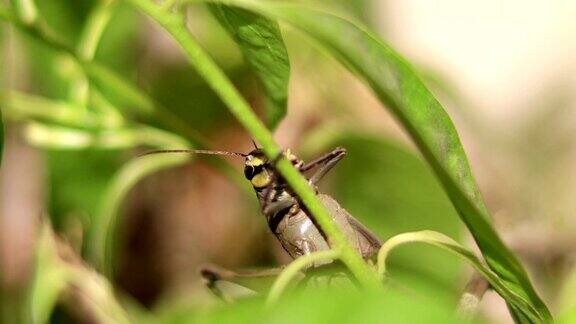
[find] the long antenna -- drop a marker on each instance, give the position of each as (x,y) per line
(208,152)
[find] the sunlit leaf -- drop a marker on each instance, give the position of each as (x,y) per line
(263,49)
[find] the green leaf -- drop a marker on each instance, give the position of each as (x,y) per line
(394,192)
(70,199)
(318,305)
(398,86)
(442,241)
(263,49)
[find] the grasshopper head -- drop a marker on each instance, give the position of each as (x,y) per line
(256,169)
(259,169)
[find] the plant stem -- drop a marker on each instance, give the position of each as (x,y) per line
(504,288)
(91,35)
(288,274)
(94,29)
(217,80)
(20,105)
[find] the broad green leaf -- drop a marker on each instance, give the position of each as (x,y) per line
(172,87)
(68,171)
(398,86)
(442,241)
(321,306)
(394,192)
(263,49)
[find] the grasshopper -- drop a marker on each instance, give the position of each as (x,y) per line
(287,218)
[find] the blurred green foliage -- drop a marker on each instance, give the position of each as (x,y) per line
(324,306)
(142,86)
(75,187)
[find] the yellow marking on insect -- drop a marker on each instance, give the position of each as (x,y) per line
(261,180)
(254,161)
(290,156)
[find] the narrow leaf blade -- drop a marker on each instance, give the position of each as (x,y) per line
(263,49)
(440,240)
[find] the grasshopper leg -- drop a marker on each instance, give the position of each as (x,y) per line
(273,207)
(212,274)
(325,163)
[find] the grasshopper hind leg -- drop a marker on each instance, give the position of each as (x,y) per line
(324,163)
(231,285)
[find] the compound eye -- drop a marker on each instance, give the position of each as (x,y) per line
(249,172)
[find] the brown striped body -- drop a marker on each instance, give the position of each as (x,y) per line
(292,224)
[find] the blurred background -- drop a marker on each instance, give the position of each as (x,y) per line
(505,72)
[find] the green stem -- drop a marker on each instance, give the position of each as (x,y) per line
(22,106)
(94,29)
(107,112)
(207,68)
(89,39)
(502,287)
(293,269)
(38,31)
